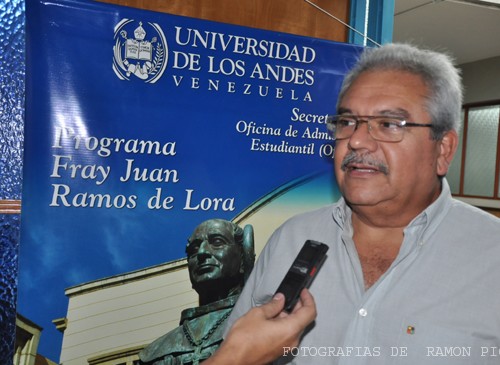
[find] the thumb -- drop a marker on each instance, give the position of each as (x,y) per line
(274,307)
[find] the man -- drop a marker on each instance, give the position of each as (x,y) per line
(412,275)
(220,258)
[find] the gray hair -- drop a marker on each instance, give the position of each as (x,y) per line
(444,102)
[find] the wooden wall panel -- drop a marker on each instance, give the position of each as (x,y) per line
(289,16)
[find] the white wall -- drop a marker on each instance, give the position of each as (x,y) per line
(481,80)
(125,311)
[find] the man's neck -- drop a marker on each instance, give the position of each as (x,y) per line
(377,247)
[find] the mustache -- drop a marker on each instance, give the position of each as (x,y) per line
(353,157)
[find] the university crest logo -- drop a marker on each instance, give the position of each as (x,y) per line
(140,51)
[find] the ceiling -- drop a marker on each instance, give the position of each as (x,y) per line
(468,30)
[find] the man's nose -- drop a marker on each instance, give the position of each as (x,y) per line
(361,137)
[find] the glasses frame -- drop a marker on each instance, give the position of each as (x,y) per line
(332,125)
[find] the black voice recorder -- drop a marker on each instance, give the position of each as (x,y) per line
(303,270)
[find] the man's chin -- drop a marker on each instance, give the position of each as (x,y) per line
(364,197)
(363,201)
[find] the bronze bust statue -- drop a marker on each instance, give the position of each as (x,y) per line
(220,257)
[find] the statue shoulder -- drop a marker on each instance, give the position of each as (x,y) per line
(171,342)
(201,332)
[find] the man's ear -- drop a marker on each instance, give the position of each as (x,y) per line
(446,150)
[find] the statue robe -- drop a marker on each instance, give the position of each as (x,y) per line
(201,324)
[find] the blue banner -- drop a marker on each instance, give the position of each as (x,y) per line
(140,125)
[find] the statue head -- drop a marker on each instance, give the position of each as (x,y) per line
(220,258)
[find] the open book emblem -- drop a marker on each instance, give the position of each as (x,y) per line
(137,55)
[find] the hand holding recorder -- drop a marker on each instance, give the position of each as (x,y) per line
(259,336)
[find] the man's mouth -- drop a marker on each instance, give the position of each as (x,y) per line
(361,168)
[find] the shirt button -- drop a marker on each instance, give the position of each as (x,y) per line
(363,312)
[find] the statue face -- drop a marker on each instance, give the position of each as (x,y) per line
(212,252)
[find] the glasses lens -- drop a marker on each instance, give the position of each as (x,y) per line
(387,129)
(341,126)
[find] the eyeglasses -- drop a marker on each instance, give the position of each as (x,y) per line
(381,128)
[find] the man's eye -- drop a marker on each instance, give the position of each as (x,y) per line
(390,124)
(345,122)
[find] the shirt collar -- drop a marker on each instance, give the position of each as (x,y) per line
(341,213)
(432,216)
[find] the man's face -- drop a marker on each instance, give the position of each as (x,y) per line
(212,252)
(399,177)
